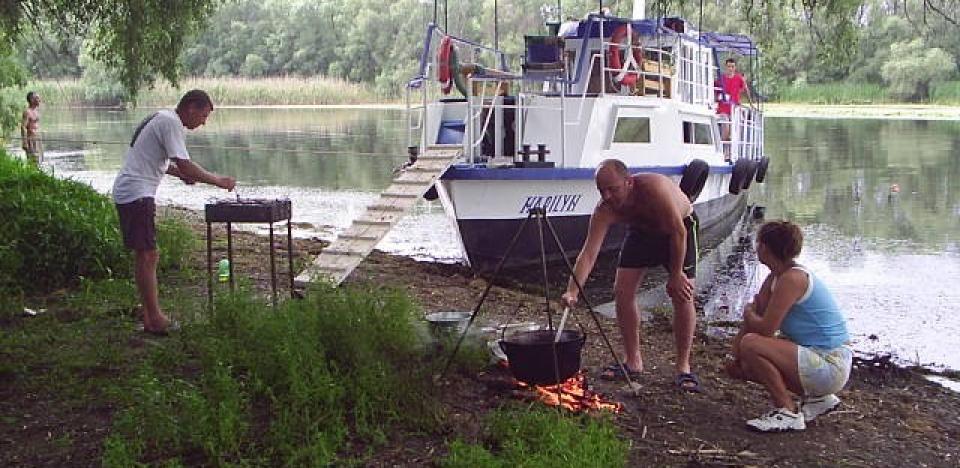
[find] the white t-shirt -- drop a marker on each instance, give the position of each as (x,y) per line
(147,160)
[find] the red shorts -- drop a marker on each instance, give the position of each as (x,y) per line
(137,224)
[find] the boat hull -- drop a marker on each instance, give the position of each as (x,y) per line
(489,213)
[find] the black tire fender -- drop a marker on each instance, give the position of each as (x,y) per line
(694,178)
(750,175)
(762,166)
(741,170)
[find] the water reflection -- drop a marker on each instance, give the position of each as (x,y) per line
(879,179)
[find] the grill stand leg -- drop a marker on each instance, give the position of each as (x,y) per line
(273,268)
(209,268)
(230,253)
(290,253)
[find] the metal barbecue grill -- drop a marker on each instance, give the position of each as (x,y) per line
(248,210)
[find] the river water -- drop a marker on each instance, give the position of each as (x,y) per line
(879,200)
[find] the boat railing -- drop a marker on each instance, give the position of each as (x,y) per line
(425,88)
(746,133)
(416,104)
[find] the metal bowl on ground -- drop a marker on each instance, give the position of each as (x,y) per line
(530,355)
(447,325)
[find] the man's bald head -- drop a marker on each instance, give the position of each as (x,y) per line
(612,167)
(611,177)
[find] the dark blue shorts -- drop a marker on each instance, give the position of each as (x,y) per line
(137,224)
(643,249)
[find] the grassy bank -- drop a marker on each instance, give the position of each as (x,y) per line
(946,93)
(225,92)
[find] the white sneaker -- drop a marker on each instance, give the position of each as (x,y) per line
(778,420)
(818,406)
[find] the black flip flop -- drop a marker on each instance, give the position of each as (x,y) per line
(615,372)
(684,379)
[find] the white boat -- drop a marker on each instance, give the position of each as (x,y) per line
(638,90)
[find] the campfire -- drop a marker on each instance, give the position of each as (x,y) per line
(573,394)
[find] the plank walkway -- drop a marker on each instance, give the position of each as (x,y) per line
(340,258)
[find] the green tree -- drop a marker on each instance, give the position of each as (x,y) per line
(913,66)
(253,66)
(136,40)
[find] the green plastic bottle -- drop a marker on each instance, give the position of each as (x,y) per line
(223,270)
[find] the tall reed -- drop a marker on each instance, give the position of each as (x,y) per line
(834,93)
(946,93)
(226,91)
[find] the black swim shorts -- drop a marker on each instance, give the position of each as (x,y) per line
(137,224)
(643,249)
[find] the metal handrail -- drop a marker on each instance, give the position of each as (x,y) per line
(746,133)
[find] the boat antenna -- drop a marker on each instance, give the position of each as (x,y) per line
(700,43)
(496,29)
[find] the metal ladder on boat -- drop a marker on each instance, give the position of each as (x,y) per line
(343,255)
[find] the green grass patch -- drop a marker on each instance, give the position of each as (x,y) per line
(224,91)
(534,437)
(307,383)
(834,93)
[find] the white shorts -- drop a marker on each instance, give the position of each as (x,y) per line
(823,371)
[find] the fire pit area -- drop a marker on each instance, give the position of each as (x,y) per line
(574,394)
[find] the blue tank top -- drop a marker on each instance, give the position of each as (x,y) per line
(815,320)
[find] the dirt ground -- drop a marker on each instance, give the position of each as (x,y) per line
(889,416)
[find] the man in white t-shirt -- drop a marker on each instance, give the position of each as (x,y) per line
(157,141)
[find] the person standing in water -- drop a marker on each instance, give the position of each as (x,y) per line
(30,129)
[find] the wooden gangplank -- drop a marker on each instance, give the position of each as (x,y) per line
(340,258)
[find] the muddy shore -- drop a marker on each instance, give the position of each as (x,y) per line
(890,416)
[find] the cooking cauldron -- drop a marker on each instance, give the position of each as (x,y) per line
(530,355)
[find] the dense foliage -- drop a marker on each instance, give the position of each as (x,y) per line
(806,42)
(57,231)
(54,231)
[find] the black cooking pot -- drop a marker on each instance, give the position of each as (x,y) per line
(530,355)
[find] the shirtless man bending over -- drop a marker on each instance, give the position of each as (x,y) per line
(662,231)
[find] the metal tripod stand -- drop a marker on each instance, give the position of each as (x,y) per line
(542,220)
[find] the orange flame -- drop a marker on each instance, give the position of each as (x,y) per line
(573,395)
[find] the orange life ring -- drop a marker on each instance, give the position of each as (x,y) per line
(444,70)
(618,41)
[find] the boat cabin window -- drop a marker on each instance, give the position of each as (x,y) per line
(632,130)
(696,133)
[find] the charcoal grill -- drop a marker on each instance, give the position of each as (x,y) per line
(248,210)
